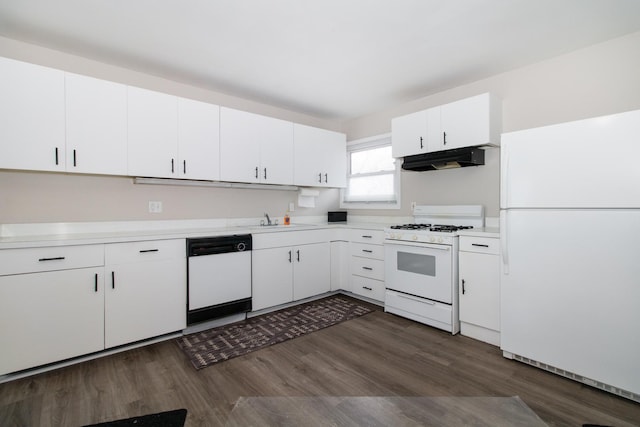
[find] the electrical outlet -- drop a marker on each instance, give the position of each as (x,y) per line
(413,206)
(292,207)
(155,207)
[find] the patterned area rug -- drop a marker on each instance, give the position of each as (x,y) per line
(229,341)
(174,418)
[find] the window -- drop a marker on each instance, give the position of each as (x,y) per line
(373,176)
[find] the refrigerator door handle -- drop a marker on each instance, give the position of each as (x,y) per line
(504,247)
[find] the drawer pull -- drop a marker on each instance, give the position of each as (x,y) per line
(367,268)
(96,283)
(367,237)
(58,258)
(369,251)
(144,251)
(479,244)
(113,280)
(367,288)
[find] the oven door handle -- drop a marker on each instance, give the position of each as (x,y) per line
(412,298)
(400,244)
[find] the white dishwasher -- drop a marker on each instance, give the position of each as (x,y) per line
(218,277)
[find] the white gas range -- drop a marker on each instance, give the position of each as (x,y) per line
(421,264)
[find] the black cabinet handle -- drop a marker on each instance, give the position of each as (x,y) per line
(256,172)
(445,138)
(367,288)
(144,251)
(298,255)
(56,155)
(481,245)
(74,158)
(326,179)
(320,177)
(113,280)
(265,173)
(172,166)
(463,289)
(369,251)
(289,256)
(421,145)
(58,258)
(367,268)
(96,283)
(367,237)
(184,166)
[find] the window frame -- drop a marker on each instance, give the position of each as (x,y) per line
(367,144)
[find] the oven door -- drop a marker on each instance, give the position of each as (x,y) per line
(419,269)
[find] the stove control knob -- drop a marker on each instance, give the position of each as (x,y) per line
(414,237)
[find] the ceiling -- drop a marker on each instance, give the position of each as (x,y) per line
(333,59)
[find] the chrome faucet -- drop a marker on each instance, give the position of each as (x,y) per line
(268,219)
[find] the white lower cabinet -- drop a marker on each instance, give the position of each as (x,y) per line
(289,266)
(146,290)
(61,302)
(479,288)
(367,264)
(51,305)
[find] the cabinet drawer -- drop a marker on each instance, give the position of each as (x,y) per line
(50,258)
(375,237)
(425,311)
(370,288)
(484,245)
(152,250)
(367,267)
(367,251)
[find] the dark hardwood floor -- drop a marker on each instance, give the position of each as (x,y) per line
(377,354)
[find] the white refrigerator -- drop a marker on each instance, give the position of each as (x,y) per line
(570,240)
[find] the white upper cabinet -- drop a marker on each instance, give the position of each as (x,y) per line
(32,128)
(409,134)
(198,140)
(466,123)
(472,121)
(152,133)
(320,157)
(96,120)
(255,148)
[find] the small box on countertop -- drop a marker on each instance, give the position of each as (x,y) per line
(337,216)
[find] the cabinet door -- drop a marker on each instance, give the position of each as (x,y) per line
(31,117)
(272,277)
(144,300)
(48,317)
(311,270)
(466,122)
(198,140)
(96,119)
(276,151)
(153,133)
(320,157)
(479,289)
(239,146)
(409,134)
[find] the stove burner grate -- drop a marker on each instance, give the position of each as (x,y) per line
(436,227)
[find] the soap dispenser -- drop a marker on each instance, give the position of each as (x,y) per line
(287,220)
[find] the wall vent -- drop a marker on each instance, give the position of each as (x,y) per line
(588,381)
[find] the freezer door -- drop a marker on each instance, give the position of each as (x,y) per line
(582,164)
(570,291)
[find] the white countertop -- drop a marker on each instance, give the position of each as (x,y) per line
(492,232)
(68,234)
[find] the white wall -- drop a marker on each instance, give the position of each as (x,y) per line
(598,80)
(27,197)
